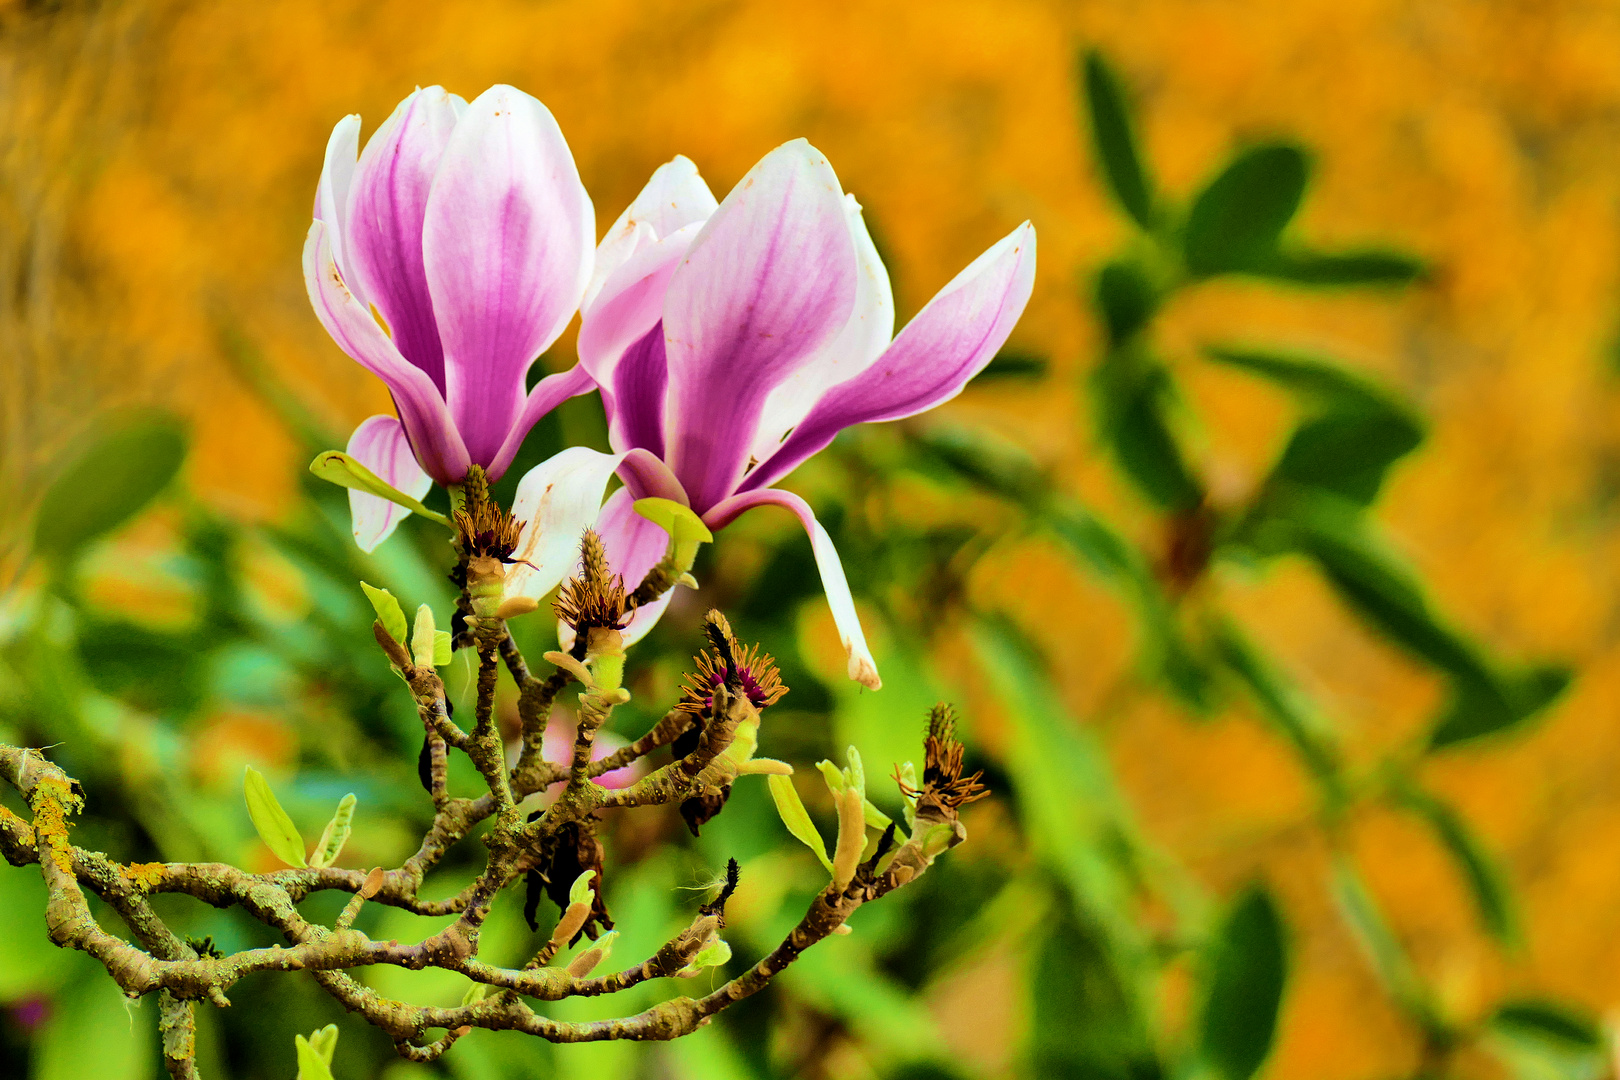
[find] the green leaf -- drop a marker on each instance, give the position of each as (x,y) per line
(1300,722)
(1133,394)
(443,653)
(1347,268)
(1115,141)
(336,833)
(275,828)
(580,891)
(681,522)
(1550,1022)
(1127,299)
(1389,960)
(1009,365)
(311,1065)
(336,467)
(109,482)
(1248,967)
(716,954)
(388,611)
(1498,704)
(1235,222)
(796,818)
(833,775)
(324,1041)
(1491,898)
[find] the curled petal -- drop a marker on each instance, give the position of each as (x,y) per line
(332,193)
(438,446)
(674,197)
(768,281)
(387,203)
(557,501)
(951,340)
(547,394)
(380,445)
(507,248)
(862,668)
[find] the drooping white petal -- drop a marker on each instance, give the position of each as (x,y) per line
(557,500)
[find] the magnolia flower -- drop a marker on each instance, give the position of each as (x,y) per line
(445,259)
(732,342)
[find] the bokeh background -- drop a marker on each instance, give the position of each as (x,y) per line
(157,164)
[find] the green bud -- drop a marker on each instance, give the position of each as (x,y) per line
(580,891)
(422,638)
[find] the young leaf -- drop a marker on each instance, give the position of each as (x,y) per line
(1115,142)
(580,891)
(311,1064)
(679,521)
(1550,1022)
(336,467)
(335,835)
(1248,967)
(388,611)
(1346,268)
(275,828)
(1479,709)
(796,818)
(877,819)
(1235,222)
(855,774)
(833,775)
(475,993)
(442,651)
(1127,299)
(1491,897)
(109,482)
(324,1041)
(1300,722)
(1389,959)
(716,954)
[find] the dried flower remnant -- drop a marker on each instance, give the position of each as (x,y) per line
(943,787)
(593,599)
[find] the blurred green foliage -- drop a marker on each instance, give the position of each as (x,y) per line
(1094,915)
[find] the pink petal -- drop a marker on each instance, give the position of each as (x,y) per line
(674,197)
(382,244)
(862,668)
(634,546)
(557,501)
(507,245)
(438,447)
(768,281)
(337,177)
(950,341)
(380,445)
(557,747)
(547,394)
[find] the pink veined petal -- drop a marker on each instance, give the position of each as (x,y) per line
(557,500)
(637,394)
(646,476)
(952,338)
(332,193)
(382,242)
(674,197)
(862,668)
(380,445)
(769,280)
(863,339)
(507,247)
(547,394)
(634,546)
(434,439)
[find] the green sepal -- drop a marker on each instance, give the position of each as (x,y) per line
(335,835)
(324,1041)
(389,613)
(275,828)
(796,818)
(336,467)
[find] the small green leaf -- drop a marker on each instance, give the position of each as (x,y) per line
(324,1041)
(311,1065)
(388,611)
(475,993)
(335,835)
(1491,897)
(422,637)
(1348,268)
(796,818)
(442,651)
(679,521)
(1133,395)
(336,467)
(855,774)
(275,828)
(1127,298)
(1114,140)
(833,775)
(1389,959)
(1550,1022)
(1236,221)
(716,954)
(130,462)
(875,818)
(1248,967)
(580,891)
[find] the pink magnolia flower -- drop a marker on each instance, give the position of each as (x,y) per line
(731,342)
(445,260)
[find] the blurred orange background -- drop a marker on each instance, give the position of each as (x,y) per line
(158,160)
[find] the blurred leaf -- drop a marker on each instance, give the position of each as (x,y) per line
(94,1032)
(1086,1024)
(1127,298)
(311,1064)
(1504,701)
(1013,365)
(388,611)
(1133,393)
(1115,141)
(1236,221)
(275,828)
(1354,431)
(1550,1021)
(1546,1040)
(1304,726)
(1389,960)
(1248,967)
(1372,267)
(336,833)
(1491,897)
(111,480)
(990,464)
(796,818)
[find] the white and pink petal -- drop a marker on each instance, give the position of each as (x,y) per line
(379,443)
